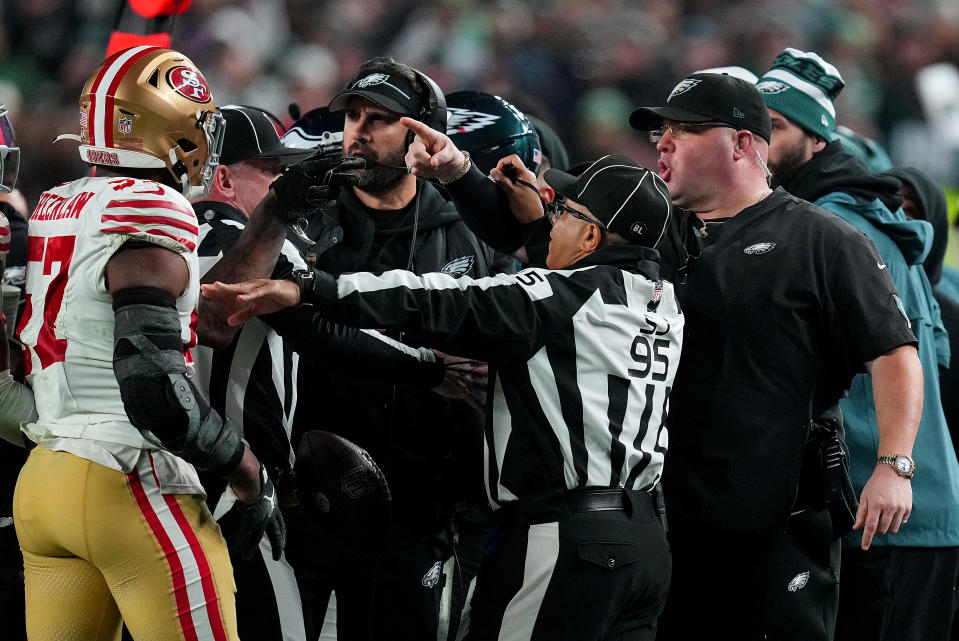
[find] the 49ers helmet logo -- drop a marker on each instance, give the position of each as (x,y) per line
(189,83)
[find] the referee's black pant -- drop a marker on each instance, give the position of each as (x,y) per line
(584,565)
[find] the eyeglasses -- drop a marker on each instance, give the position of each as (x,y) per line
(557,208)
(681,129)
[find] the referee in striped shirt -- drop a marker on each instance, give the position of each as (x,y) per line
(582,357)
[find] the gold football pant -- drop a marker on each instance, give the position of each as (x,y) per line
(99,545)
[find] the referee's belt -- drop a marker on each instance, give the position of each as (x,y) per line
(559,505)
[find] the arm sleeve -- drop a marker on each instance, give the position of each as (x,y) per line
(504,317)
(363,354)
(867,314)
(486,211)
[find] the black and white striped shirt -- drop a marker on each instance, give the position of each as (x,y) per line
(581,362)
(252,381)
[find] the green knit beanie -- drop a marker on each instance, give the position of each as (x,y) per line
(802,86)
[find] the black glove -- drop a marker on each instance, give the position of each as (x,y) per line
(300,189)
(260,515)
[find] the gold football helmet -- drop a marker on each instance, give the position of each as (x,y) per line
(147,107)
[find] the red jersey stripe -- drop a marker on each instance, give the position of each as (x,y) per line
(151,204)
(128,229)
(152,220)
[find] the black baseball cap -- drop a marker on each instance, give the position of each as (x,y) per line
(629,199)
(250,134)
(392,92)
(705,97)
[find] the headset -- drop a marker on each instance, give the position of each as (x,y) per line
(433,110)
(432,113)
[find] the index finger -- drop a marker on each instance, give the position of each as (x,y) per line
(869,530)
(424,131)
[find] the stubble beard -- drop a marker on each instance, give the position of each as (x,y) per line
(784,170)
(379,179)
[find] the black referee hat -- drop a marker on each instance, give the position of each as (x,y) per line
(250,134)
(629,199)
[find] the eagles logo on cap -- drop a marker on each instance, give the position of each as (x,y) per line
(370,80)
(683,87)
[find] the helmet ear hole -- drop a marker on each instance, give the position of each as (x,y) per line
(186,145)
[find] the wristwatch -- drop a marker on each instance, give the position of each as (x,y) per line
(305,279)
(904,466)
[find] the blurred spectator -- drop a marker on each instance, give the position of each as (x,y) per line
(570,56)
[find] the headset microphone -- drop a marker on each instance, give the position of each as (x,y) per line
(353,162)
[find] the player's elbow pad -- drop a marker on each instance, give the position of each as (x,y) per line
(157,396)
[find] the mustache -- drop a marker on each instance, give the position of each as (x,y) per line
(368,160)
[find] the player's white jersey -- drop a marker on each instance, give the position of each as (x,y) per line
(67,325)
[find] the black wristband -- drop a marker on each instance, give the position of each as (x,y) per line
(305,279)
(234,461)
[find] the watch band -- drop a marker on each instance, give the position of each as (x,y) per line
(904,465)
(305,279)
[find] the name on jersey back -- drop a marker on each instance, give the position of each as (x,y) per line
(53,207)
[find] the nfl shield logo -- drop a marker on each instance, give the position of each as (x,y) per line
(125,125)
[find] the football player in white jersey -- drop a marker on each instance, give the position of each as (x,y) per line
(108,508)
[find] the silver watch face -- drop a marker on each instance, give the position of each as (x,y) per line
(903,464)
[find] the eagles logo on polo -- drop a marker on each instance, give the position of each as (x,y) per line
(432,576)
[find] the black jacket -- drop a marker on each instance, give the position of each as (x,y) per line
(412,433)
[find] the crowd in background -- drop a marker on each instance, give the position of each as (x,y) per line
(581,66)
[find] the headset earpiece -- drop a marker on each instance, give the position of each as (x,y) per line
(433,112)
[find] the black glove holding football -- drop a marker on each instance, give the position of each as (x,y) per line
(260,515)
(344,493)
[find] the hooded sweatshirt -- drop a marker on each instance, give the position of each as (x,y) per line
(841,184)
(931,205)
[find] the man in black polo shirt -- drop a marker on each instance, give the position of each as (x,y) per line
(784,304)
